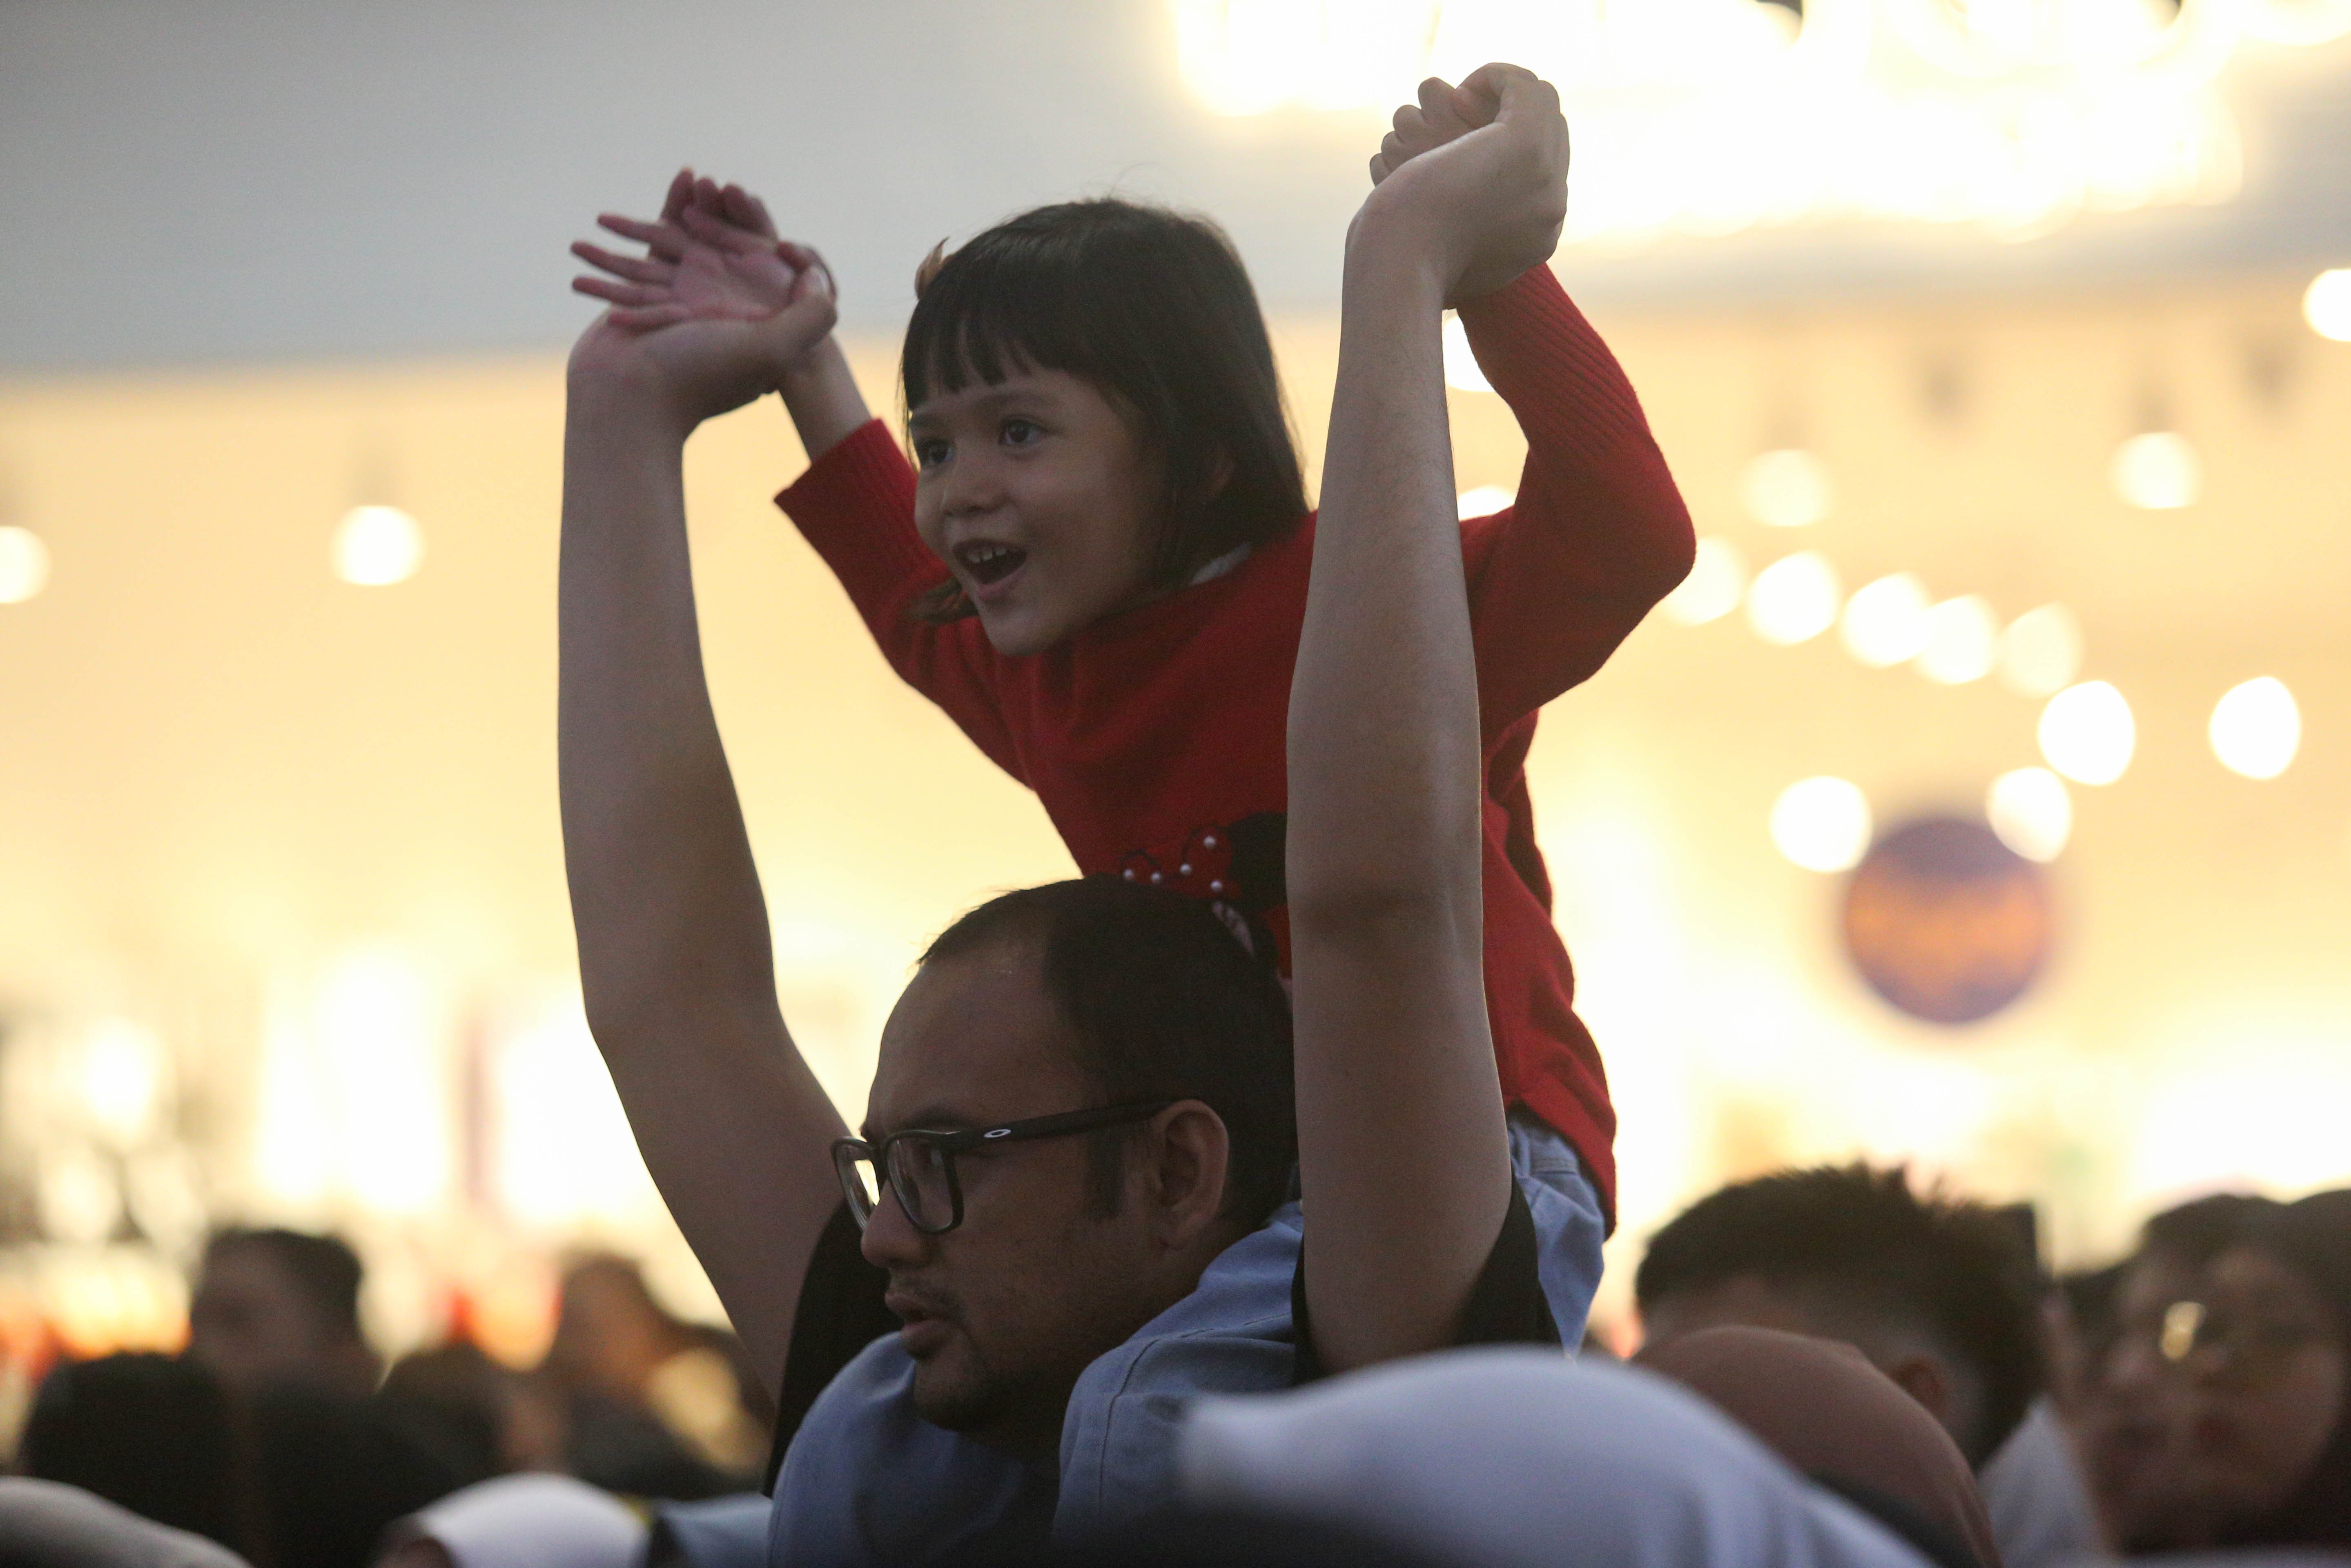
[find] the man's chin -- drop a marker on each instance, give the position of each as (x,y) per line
(949,1398)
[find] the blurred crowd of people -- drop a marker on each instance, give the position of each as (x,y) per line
(280,1434)
(1897,1347)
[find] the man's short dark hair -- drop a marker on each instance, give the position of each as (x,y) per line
(1166,1004)
(1861,1238)
(325,1272)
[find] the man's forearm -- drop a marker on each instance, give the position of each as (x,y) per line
(1379,740)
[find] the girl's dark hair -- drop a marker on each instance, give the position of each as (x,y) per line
(1166,1004)
(1154,308)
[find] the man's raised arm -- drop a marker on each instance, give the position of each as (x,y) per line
(674,958)
(1402,1147)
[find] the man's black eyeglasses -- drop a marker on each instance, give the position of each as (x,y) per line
(920,1165)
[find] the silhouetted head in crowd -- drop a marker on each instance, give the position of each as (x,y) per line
(2271,1416)
(1842,1424)
(1077,995)
(461,1403)
(281,1309)
(2225,1417)
(1942,1295)
(2130,1417)
(610,1332)
(153,1434)
(291,1478)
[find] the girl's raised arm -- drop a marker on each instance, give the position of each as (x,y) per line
(1402,1147)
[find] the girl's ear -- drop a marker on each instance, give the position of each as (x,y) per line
(930,268)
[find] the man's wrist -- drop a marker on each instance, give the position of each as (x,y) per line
(1393,257)
(624,411)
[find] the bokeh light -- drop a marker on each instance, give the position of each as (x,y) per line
(2033,812)
(1484,501)
(1716,583)
(1786,488)
(2326,304)
(124,1074)
(1885,623)
(1962,641)
(2256,728)
(2041,651)
(1794,599)
(1821,823)
(2157,470)
(23,565)
(376,547)
(1461,372)
(2087,733)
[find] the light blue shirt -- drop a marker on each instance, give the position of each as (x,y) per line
(869,1484)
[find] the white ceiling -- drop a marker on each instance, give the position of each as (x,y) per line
(261,179)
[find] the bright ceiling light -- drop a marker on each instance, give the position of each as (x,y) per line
(1886,623)
(2041,651)
(2326,304)
(1962,641)
(1484,501)
(124,1076)
(1716,583)
(1787,488)
(1461,372)
(378,546)
(2157,470)
(1821,824)
(2032,812)
(2256,728)
(23,565)
(2087,733)
(1794,599)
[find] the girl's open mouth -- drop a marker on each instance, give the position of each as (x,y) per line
(986,561)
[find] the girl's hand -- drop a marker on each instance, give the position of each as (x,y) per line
(717,312)
(1475,178)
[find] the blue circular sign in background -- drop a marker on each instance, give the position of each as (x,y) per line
(1947,922)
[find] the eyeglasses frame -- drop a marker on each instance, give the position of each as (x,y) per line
(847,1153)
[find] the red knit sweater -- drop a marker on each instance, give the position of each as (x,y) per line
(1154,737)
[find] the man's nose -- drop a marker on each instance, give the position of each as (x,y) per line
(891,1238)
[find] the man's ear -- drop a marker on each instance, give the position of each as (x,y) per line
(1926,1379)
(1191,1153)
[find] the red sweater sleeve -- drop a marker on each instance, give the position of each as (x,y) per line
(1598,533)
(856,505)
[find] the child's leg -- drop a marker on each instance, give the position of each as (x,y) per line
(1569,1225)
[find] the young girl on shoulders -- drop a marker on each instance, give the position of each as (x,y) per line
(1096,560)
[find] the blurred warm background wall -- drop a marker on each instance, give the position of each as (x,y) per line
(282,928)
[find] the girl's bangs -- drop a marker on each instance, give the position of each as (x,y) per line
(974,329)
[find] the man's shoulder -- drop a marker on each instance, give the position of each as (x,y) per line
(1233,1334)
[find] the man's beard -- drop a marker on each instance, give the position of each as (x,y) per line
(971,1404)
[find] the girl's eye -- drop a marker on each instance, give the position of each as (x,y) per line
(930,453)
(1021,433)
